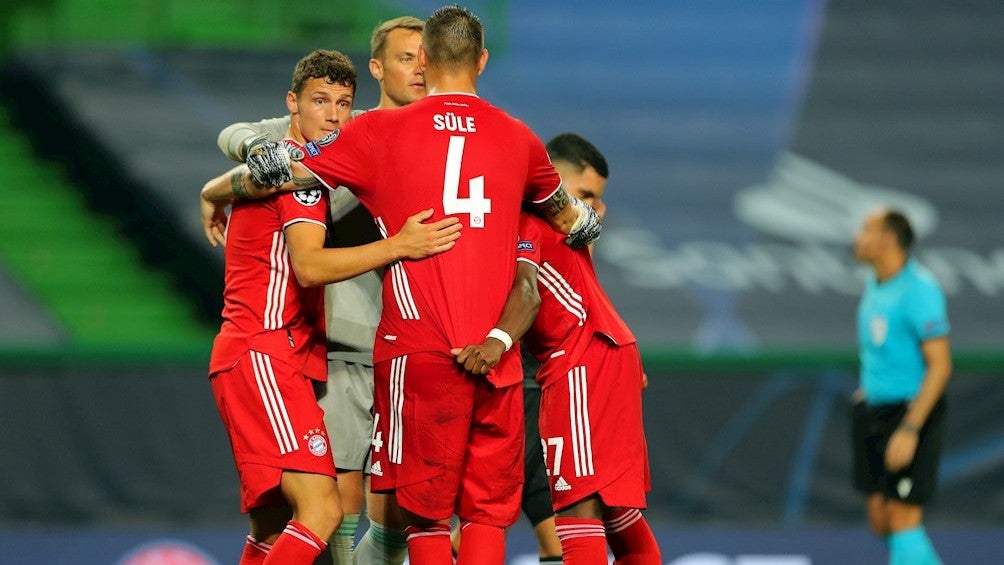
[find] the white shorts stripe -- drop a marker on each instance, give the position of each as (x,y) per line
(397,369)
(562,291)
(588,443)
(578,410)
(271,398)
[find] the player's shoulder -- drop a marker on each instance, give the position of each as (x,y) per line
(924,284)
(923,278)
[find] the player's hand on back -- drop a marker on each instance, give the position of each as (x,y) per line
(418,240)
(480,359)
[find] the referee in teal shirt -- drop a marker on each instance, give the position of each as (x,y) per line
(899,406)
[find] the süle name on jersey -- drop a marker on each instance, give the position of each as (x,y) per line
(453,122)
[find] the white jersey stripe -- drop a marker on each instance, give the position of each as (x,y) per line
(275,302)
(273,275)
(399,283)
(284,282)
(402,292)
(562,291)
(381,226)
(272,400)
(560,279)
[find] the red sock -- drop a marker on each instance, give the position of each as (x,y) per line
(481,545)
(255,552)
(582,541)
(631,539)
(296,546)
(429,545)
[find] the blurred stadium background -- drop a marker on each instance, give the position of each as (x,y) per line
(745,141)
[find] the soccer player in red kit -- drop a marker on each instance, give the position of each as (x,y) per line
(591,379)
(271,347)
(591,383)
(447,441)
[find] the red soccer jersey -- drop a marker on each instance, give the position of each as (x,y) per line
(462,157)
(264,307)
(573,306)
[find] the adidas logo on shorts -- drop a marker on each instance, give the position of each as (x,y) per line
(376,470)
(562,485)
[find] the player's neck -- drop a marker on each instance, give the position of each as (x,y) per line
(440,83)
(294,133)
(889,266)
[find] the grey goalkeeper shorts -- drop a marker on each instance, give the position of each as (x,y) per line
(347,401)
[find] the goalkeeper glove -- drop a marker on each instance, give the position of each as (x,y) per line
(269,163)
(587,226)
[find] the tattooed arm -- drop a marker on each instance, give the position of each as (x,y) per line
(570,216)
(218,193)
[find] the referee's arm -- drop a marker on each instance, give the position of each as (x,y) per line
(903,443)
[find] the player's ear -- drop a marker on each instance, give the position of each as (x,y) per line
(291,104)
(482,61)
(376,69)
(422,62)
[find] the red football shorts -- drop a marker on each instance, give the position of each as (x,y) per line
(447,441)
(271,414)
(591,429)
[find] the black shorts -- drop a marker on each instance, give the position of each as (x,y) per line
(873,425)
(536,491)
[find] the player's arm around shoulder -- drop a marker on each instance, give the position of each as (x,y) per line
(315,265)
(570,216)
(218,193)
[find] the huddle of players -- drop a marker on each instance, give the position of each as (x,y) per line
(447,418)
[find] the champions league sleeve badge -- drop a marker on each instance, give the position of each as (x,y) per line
(308,196)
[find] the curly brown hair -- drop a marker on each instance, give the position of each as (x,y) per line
(332,66)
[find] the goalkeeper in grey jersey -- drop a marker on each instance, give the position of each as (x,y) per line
(352,311)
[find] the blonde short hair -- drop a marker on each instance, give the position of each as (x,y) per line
(378,42)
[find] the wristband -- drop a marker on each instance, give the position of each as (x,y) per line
(502,336)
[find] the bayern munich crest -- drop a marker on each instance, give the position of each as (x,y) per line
(316,442)
(308,197)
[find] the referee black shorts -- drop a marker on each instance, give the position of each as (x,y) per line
(536,491)
(873,425)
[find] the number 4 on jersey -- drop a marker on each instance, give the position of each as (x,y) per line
(475,205)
